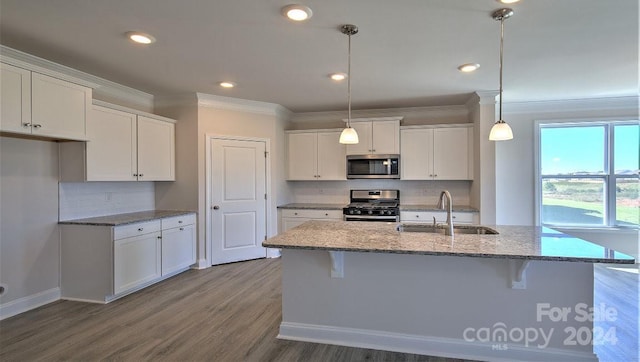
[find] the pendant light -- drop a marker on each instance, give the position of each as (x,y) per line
(349,135)
(501,130)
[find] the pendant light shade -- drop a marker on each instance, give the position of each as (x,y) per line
(501,130)
(349,136)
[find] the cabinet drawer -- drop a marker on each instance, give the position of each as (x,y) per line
(141,228)
(313,214)
(176,221)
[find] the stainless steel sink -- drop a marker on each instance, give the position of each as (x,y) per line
(441,229)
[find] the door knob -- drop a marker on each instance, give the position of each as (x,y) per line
(216,207)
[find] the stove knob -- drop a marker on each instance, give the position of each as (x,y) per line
(389,212)
(381,212)
(370,212)
(358,212)
(351,212)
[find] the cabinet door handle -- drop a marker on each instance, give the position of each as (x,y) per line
(37,126)
(26,124)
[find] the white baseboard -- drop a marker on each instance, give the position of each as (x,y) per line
(29,302)
(202,264)
(424,345)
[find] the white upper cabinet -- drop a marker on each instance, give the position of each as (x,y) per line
(15,98)
(436,153)
(156,153)
(316,155)
(112,150)
(44,106)
(122,146)
(379,136)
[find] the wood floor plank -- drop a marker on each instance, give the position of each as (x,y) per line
(225,313)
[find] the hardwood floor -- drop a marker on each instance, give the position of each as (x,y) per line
(225,313)
(228,313)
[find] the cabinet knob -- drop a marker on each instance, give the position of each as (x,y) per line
(181,229)
(37,126)
(216,207)
(418,216)
(26,124)
(140,229)
(326,214)
(435,175)
(159,237)
(140,175)
(179,221)
(135,175)
(295,213)
(373,150)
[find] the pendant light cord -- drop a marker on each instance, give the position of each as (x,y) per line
(349,84)
(501,51)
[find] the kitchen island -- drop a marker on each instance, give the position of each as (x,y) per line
(523,294)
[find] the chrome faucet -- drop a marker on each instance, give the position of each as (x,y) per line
(443,194)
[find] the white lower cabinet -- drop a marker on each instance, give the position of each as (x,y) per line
(178,244)
(440,217)
(136,261)
(290,218)
(102,263)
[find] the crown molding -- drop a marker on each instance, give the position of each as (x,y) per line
(482,98)
(243,105)
(622,103)
(117,107)
(102,88)
(409,113)
(176,100)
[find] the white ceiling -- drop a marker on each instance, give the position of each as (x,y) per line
(405,54)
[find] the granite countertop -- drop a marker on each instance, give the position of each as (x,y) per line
(513,242)
(424,207)
(123,219)
(312,206)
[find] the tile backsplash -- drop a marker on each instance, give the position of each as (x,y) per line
(89,199)
(411,192)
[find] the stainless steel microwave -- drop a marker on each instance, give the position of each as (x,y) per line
(373,166)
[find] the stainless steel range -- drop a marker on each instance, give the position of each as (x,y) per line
(373,205)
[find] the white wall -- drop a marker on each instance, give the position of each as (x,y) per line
(88,199)
(29,237)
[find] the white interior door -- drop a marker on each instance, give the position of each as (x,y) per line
(238,200)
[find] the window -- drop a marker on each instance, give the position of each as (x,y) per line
(589,174)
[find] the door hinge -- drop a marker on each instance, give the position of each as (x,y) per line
(265,196)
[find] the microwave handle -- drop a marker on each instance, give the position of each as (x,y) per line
(389,166)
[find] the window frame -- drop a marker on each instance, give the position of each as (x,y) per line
(609,177)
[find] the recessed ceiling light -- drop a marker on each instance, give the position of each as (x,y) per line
(508,1)
(469,67)
(227,84)
(297,12)
(338,76)
(140,38)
